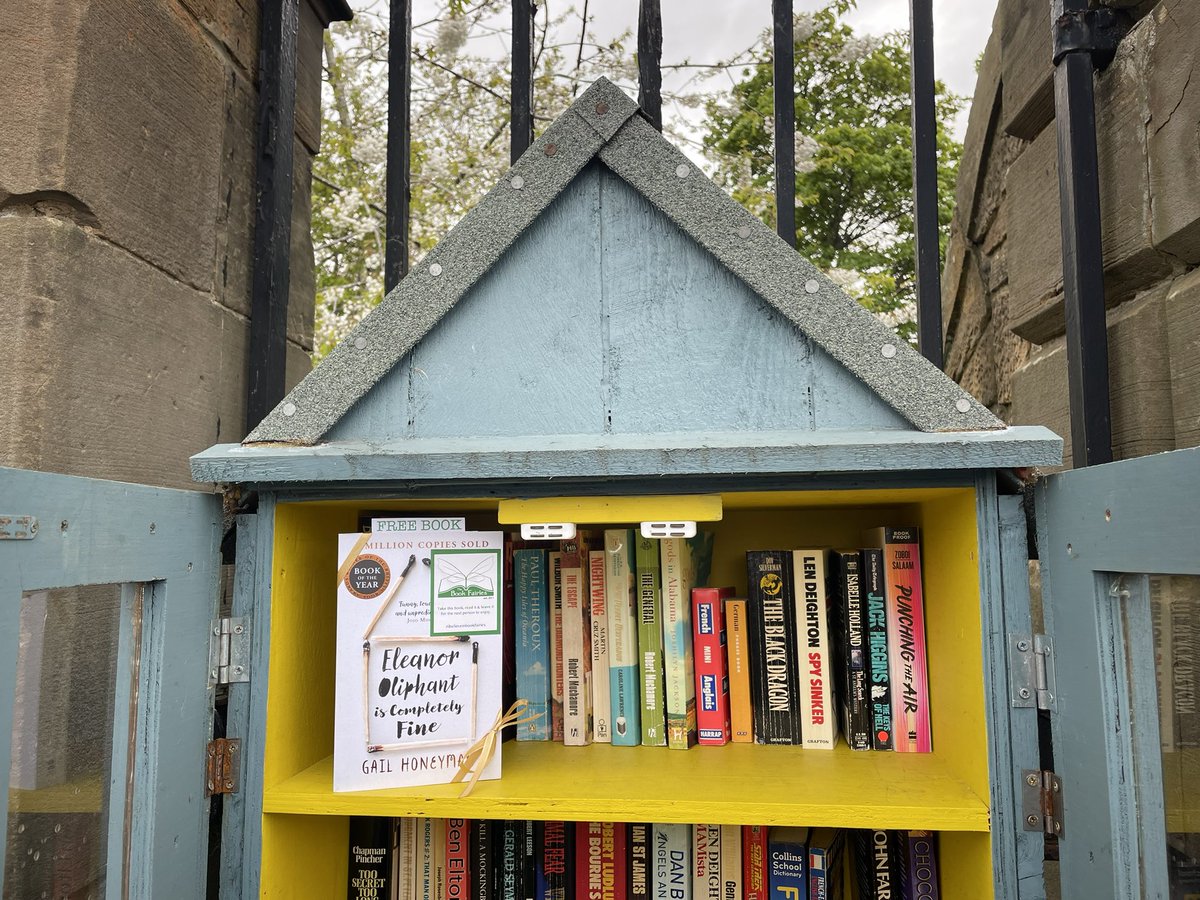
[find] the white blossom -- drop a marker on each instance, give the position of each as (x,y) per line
(451,35)
(803,26)
(857,48)
(806,150)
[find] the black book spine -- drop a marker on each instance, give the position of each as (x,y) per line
(877,647)
(529,866)
(555,855)
(483,872)
(856,706)
(639,861)
(772,622)
(370,871)
(510,855)
(875,864)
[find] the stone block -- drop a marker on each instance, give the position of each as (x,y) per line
(1174,126)
(1028,66)
(233,24)
(978,138)
(1183,339)
(120,371)
(234,251)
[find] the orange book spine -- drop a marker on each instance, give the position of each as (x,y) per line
(741,714)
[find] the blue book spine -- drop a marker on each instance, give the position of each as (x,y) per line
(621,602)
(533,648)
(787,853)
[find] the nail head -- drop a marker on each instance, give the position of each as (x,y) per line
(745,231)
(812,286)
(289,409)
(551,149)
(681,170)
(601,108)
(435,270)
(888,351)
(360,343)
(517,182)
(962,405)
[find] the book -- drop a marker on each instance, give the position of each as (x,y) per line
(754,856)
(731,862)
(510,860)
(589,865)
(741,712)
(650,643)
(918,865)
(906,637)
(532,604)
(425,851)
(825,864)
(878,659)
(787,857)
(554,844)
(483,860)
(554,573)
(640,884)
(679,686)
(512,542)
(712,673)
(371,857)
(439,859)
(458,856)
(601,650)
(855,686)
(875,865)
(407,860)
(577,644)
(621,605)
(706,862)
(671,862)
(529,861)
(772,637)
(614,863)
(818,712)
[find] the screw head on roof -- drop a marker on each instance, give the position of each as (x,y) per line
(962,404)
(435,270)
(745,231)
(360,343)
(681,170)
(812,286)
(888,351)
(551,149)
(289,409)
(517,182)
(601,108)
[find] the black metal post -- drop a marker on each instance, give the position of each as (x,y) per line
(649,42)
(273,212)
(785,120)
(395,264)
(1082,250)
(927,251)
(522,77)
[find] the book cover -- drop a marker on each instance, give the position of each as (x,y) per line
(706,862)
(741,710)
(510,854)
(678,662)
(621,605)
(639,861)
(458,860)
(851,632)
(875,865)
(557,683)
(425,851)
(787,857)
(754,856)
(712,673)
(577,645)
(731,862)
(772,632)
(512,542)
(418,654)
(818,712)
(532,603)
(371,857)
(483,860)
(554,844)
(918,864)
(439,859)
(878,656)
(671,863)
(906,637)
(825,864)
(601,649)
(650,643)
(589,851)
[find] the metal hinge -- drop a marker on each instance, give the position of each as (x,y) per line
(229,651)
(1042,802)
(221,766)
(18,528)
(1031,672)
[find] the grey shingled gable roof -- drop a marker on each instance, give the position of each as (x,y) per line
(602,124)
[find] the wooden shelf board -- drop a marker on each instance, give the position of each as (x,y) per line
(735,784)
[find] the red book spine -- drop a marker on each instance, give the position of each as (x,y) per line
(458,859)
(614,861)
(712,671)
(589,860)
(754,859)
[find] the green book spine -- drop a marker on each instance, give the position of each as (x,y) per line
(650,645)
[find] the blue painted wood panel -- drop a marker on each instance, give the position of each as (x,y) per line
(605,318)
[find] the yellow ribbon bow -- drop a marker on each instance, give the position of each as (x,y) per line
(476,759)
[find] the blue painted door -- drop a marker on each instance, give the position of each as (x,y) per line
(107,592)
(1119,549)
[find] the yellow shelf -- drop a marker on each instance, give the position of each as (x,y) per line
(738,783)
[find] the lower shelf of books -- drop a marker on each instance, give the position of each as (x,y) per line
(734,784)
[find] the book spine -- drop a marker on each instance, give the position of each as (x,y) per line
(425,850)
(639,861)
(918,865)
(589,855)
(1160,625)
(371,847)
(615,861)
(875,865)
(906,639)
(555,868)
(672,862)
(818,874)
(786,869)
(825,864)
(678,662)
(621,606)
(482,860)
(577,653)
(855,700)
(1183,649)
(458,858)
(731,862)
(601,649)
(554,572)
(818,716)
(407,860)
(654,723)
(439,859)
(712,673)
(877,650)
(706,862)
(533,645)
(754,855)
(773,643)
(508,629)
(510,855)
(529,861)
(741,711)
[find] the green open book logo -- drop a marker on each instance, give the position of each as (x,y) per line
(465,591)
(477,581)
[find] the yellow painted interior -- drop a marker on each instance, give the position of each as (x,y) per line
(304,827)
(609,510)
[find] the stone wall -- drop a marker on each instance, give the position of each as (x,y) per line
(1002,301)
(126,229)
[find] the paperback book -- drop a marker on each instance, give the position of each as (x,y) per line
(878,656)
(855,692)
(706,862)
(622,608)
(577,644)
(650,643)
(787,870)
(712,675)
(557,681)
(741,709)
(772,629)
(918,865)
(532,644)
(678,659)
(371,860)
(672,861)
(640,882)
(818,716)
(601,649)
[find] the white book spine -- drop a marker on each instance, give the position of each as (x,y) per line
(577,707)
(706,862)
(601,653)
(818,722)
(671,861)
(731,862)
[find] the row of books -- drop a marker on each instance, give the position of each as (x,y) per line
(460,859)
(619,639)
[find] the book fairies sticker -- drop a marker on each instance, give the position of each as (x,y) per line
(465,594)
